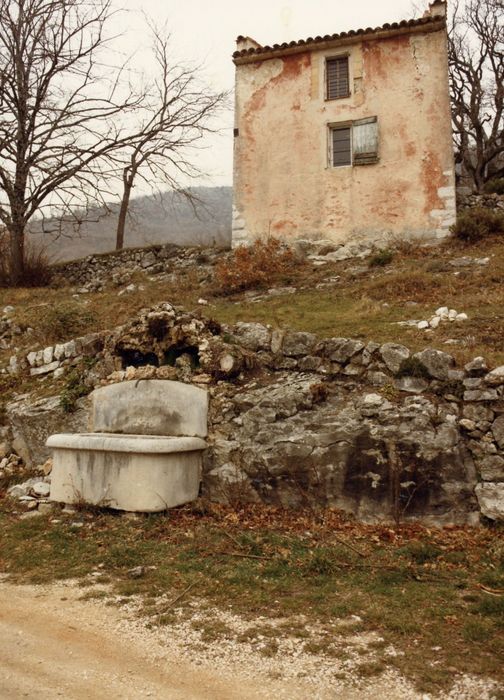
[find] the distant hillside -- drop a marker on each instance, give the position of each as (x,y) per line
(166,218)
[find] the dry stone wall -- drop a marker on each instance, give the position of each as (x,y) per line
(296,420)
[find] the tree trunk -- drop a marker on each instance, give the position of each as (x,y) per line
(121,222)
(16,244)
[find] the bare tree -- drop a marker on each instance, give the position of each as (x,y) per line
(177,113)
(61,111)
(476,62)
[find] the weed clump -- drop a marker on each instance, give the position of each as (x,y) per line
(66,321)
(494,186)
(382,258)
(74,390)
(477,224)
(256,266)
(37,266)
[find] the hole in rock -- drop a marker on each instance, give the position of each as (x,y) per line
(135,358)
(172,354)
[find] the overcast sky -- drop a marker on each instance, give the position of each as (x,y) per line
(204,31)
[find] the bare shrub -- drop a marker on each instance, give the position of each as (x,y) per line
(37,266)
(256,266)
(476,224)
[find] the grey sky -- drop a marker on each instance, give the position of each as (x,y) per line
(205,31)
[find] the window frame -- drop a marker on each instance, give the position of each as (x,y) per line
(328,59)
(366,159)
(338,126)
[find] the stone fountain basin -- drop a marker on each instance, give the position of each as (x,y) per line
(144,473)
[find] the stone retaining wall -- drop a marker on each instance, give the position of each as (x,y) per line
(295,420)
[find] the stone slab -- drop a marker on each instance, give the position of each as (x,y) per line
(150,407)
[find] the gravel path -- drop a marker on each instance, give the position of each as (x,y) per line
(54,645)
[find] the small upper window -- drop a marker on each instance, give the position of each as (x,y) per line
(337,78)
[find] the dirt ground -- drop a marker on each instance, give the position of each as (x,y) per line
(52,644)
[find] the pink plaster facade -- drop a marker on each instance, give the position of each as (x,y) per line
(284,181)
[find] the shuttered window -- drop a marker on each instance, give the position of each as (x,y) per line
(342,146)
(354,143)
(338,82)
(365,141)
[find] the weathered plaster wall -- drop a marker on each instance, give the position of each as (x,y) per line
(283,183)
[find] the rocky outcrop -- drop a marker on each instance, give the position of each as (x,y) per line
(296,420)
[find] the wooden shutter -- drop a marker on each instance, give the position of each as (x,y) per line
(342,146)
(365,141)
(338,84)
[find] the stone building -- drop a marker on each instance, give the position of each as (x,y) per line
(347,136)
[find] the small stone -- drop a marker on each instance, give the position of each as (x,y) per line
(480,395)
(495,377)
(491,500)
(393,355)
(45,369)
(452,314)
(436,362)
(492,468)
(423,325)
(203,302)
(41,489)
(372,400)
(412,385)
(343,349)
(467,424)
(434,322)
(48,355)
(476,367)
(498,431)
(253,336)
(461,317)
(442,312)
(137,572)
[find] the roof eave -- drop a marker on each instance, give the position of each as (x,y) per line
(375,35)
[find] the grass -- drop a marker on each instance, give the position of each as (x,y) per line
(266,562)
(364,302)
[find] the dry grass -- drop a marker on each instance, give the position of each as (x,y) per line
(364,303)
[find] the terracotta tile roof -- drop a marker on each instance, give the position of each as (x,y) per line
(389,28)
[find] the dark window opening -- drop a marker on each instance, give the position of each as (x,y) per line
(342,146)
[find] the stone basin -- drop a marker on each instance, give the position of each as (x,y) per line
(126,472)
(145,454)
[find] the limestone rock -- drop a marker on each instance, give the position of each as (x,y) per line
(491,500)
(253,336)
(492,468)
(296,344)
(495,377)
(477,367)
(437,363)
(412,385)
(480,395)
(343,349)
(393,355)
(498,431)
(33,421)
